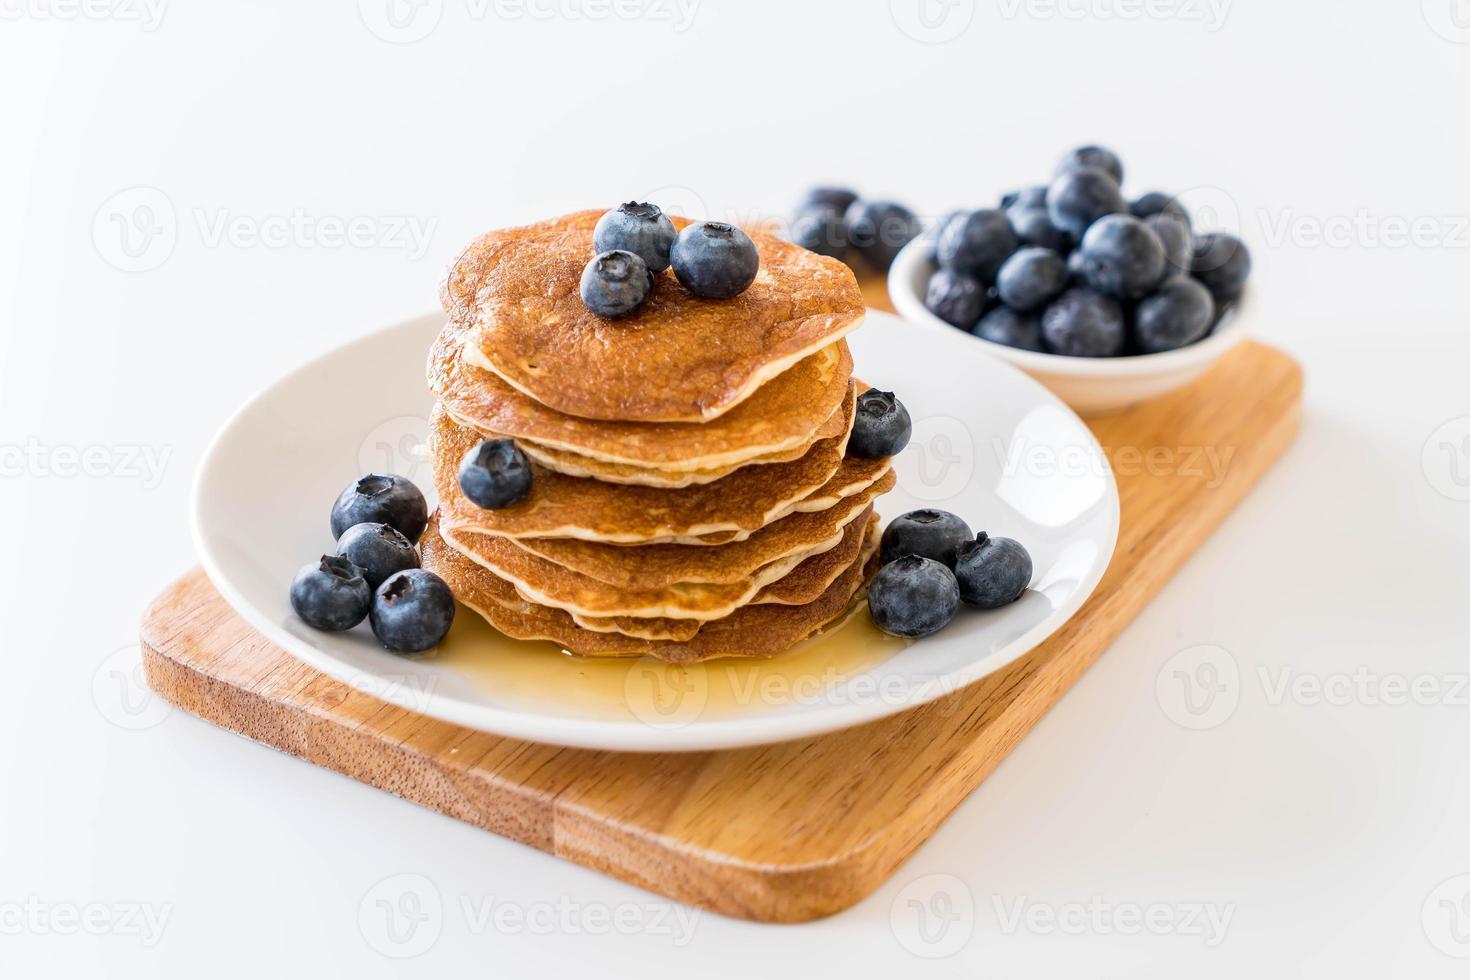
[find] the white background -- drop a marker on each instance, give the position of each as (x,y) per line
(1329,833)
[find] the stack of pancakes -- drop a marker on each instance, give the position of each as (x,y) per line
(691,493)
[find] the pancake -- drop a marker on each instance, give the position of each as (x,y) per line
(586,467)
(657,565)
(563,506)
(811,578)
(751,631)
(781,415)
(549,584)
(677,358)
(801,585)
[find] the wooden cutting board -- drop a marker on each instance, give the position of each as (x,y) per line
(780,833)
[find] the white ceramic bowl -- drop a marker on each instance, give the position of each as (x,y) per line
(989,444)
(1090,385)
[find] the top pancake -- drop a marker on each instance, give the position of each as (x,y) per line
(678,358)
(780,417)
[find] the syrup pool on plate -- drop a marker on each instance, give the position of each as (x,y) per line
(649,690)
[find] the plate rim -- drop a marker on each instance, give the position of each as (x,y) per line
(621,736)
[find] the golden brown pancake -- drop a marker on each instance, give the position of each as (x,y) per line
(549,584)
(657,565)
(810,579)
(751,631)
(677,358)
(781,415)
(586,467)
(564,506)
(802,584)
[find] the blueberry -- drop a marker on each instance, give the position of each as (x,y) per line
(1180,312)
(378,549)
(615,283)
(1032,226)
(821,230)
(1222,263)
(837,199)
(1121,256)
(1094,157)
(881,427)
(715,260)
(976,243)
(1077,198)
(381,499)
(1031,278)
(1157,202)
(495,474)
(992,572)
(935,534)
(641,229)
(331,594)
(913,596)
(1004,325)
(1026,197)
(1078,276)
(1177,239)
(412,611)
(955,298)
(880,229)
(938,232)
(1084,323)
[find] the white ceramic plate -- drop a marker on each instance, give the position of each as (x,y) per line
(989,444)
(1091,385)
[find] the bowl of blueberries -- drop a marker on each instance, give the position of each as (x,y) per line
(1106,301)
